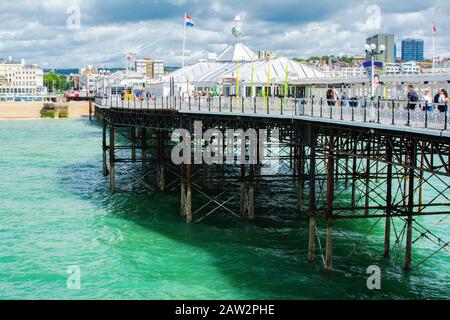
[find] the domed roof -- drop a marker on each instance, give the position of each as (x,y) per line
(237,52)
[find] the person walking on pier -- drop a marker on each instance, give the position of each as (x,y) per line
(428,100)
(413,97)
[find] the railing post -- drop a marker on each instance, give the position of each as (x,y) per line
(408,123)
(254,105)
(281,112)
(243,102)
(321,107)
(295,106)
(331,108)
(342,111)
(446,116)
(268,102)
(426,115)
(189,101)
(378,106)
(199,103)
(312,106)
(365,110)
(209,103)
(352,105)
(220,103)
(231,104)
(393,112)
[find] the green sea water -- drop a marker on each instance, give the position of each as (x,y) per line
(56,211)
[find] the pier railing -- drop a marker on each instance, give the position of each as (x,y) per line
(419,114)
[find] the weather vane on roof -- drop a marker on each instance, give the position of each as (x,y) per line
(237,29)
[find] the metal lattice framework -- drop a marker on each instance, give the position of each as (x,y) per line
(337,171)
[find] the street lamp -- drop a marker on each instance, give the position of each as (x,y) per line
(372,51)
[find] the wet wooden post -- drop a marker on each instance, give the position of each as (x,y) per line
(312,200)
(243,201)
(112,171)
(409,220)
(329,213)
(90,110)
(160,172)
(188,200)
(104,149)
(133,143)
(144,148)
(387,231)
(301,176)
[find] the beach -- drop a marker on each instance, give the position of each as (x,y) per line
(32,110)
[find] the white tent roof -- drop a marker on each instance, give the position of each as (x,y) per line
(238,52)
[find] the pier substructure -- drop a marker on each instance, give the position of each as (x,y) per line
(352,173)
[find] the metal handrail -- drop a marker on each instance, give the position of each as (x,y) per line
(396,112)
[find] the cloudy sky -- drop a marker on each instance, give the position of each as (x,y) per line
(47,32)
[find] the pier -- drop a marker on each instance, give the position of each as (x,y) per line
(373,159)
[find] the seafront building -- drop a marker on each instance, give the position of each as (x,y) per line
(20,79)
(89,77)
(152,69)
(388,40)
(413,50)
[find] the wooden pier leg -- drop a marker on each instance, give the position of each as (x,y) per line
(251,202)
(387,232)
(144,148)
(104,150)
(160,174)
(243,198)
(409,220)
(329,248)
(90,110)
(301,177)
(312,202)
(329,213)
(188,200)
(112,170)
(133,144)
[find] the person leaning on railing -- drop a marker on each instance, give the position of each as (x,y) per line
(442,100)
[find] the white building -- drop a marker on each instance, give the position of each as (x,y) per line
(237,71)
(20,79)
(402,68)
(89,77)
(152,69)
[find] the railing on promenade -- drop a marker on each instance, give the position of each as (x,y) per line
(388,112)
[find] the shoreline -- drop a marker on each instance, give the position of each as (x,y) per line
(35,110)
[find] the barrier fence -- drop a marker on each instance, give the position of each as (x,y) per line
(389,112)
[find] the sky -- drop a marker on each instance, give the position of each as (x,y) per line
(77,33)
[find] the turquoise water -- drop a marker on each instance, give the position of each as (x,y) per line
(56,211)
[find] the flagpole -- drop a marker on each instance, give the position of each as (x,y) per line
(184,49)
(434,52)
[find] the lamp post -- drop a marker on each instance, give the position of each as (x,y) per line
(372,51)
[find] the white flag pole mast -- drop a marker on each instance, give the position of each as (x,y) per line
(184,50)
(434,48)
